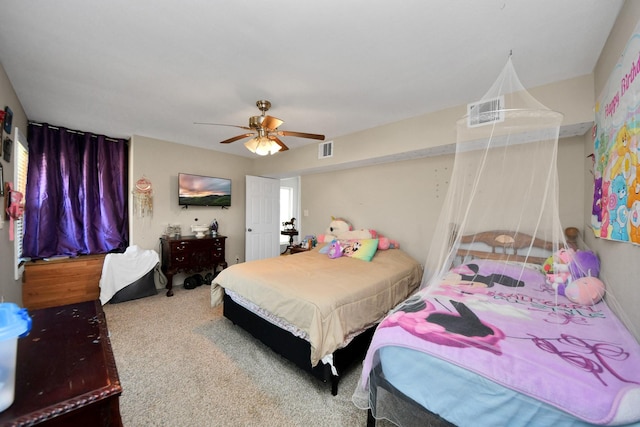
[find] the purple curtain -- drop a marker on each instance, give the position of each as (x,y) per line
(76,196)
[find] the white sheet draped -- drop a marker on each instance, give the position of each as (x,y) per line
(120,270)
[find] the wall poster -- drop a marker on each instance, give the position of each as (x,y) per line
(616,200)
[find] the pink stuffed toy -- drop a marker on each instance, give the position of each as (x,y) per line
(385,243)
(561,274)
(15,209)
(585,291)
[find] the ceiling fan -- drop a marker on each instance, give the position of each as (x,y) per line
(265,133)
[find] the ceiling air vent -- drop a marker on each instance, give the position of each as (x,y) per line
(325,150)
(485,112)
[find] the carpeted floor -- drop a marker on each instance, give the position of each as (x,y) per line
(181,363)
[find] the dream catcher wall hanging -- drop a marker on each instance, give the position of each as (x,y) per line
(143,198)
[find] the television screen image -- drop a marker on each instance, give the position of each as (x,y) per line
(199,190)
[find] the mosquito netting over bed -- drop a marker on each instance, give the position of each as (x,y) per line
(504,178)
(504,175)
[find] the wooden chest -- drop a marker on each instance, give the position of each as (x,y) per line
(61,281)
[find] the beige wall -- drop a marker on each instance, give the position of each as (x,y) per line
(402,200)
(403,159)
(10,289)
(162,170)
(620,266)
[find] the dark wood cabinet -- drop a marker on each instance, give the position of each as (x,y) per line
(65,372)
(191,254)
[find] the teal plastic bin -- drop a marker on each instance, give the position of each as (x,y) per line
(14,323)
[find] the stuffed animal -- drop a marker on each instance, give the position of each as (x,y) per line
(335,250)
(15,208)
(584,264)
(585,291)
(341,229)
(568,266)
(561,274)
(385,243)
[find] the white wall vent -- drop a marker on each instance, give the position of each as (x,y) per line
(485,112)
(325,150)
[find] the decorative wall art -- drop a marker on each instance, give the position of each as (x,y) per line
(143,198)
(8,119)
(615,211)
(6,149)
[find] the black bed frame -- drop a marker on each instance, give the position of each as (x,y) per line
(296,349)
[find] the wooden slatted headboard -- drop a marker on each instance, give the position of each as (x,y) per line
(504,245)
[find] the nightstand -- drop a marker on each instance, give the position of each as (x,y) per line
(289,233)
(297,249)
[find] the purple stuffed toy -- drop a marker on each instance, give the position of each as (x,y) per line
(335,249)
(584,264)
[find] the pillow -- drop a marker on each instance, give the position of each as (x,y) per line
(363,249)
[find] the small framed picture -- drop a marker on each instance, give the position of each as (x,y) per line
(8,119)
(6,149)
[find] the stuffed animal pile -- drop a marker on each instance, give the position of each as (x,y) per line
(341,229)
(574,274)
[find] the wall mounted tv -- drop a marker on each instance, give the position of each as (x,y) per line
(199,190)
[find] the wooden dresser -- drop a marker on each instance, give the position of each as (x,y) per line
(65,372)
(191,254)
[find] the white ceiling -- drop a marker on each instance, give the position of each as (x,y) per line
(153,67)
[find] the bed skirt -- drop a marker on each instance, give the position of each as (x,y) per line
(296,349)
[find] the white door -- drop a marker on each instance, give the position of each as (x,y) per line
(262,224)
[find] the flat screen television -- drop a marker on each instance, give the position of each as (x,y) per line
(199,190)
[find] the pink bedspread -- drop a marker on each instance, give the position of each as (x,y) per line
(507,324)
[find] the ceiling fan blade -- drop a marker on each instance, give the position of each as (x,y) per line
(271,123)
(236,138)
(221,124)
(300,134)
(280,143)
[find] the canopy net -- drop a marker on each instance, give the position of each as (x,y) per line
(504,177)
(497,331)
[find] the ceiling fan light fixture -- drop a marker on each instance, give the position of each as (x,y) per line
(265,132)
(261,145)
(252,144)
